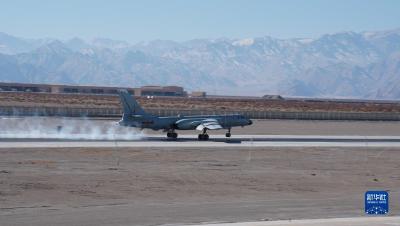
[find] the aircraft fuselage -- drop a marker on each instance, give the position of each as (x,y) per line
(181,122)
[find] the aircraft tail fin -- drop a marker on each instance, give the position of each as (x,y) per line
(129,104)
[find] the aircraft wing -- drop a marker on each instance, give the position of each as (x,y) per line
(211,124)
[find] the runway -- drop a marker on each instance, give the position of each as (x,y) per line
(355,221)
(215,141)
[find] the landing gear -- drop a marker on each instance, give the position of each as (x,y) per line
(172,135)
(228,134)
(204,135)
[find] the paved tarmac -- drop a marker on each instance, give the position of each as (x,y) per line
(355,221)
(215,141)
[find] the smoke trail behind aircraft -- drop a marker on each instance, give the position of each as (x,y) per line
(65,128)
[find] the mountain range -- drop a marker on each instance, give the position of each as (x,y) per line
(340,65)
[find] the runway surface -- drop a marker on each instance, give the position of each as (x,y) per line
(215,141)
(356,221)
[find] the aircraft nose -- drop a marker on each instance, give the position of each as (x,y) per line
(250,122)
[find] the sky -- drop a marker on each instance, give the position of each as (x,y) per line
(181,20)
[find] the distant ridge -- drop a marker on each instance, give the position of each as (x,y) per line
(340,65)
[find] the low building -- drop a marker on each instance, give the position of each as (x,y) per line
(88,89)
(50,88)
(24,87)
(198,94)
(170,91)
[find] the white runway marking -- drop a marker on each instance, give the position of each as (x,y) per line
(217,141)
(356,221)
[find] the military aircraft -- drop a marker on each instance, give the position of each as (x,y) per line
(135,116)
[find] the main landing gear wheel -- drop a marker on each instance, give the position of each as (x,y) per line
(228,134)
(172,135)
(203,136)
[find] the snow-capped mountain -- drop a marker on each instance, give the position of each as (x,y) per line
(347,64)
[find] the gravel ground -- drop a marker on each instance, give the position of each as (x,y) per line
(150,186)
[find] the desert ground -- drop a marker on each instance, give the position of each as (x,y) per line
(150,186)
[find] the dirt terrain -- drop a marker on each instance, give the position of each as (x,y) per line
(148,186)
(228,104)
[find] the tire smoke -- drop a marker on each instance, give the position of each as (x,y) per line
(65,128)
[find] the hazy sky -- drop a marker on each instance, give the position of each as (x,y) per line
(179,20)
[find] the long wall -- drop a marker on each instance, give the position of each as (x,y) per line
(117,112)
